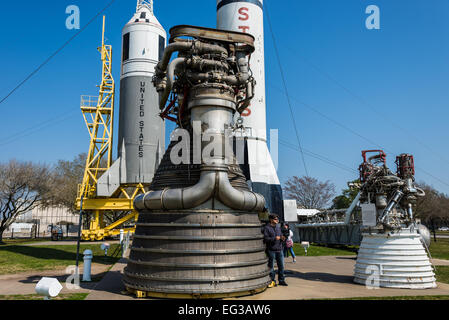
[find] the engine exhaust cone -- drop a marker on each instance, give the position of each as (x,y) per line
(394,260)
(210,251)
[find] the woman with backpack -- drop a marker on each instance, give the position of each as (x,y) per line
(288,244)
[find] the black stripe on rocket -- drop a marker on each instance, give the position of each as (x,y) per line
(226,2)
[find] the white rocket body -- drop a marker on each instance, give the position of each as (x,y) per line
(141,131)
(247,16)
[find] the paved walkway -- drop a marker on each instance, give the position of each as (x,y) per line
(440,262)
(25,282)
(332,277)
(111,287)
(308,278)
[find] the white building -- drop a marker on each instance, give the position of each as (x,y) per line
(39,220)
(306,213)
(293,214)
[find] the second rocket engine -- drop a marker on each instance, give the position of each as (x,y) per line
(199,232)
(392,253)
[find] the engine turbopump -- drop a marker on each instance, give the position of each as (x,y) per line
(394,195)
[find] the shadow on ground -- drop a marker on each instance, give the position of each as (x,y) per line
(320,276)
(62,279)
(347,258)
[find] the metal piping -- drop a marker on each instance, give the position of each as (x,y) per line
(351,208)
(348,213)
(410,211)
(238,199)
(208,76)
(314,225)
(200,64)
(393,202)
(168,51)
(170,80)
(180,198)
(198,47)
(212,181)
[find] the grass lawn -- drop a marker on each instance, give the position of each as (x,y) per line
(64,296)
(440,249)
(320,250)
(18,258)
(442,274)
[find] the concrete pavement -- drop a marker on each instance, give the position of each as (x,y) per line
(111,287)
(331,278)
(25,282)
(326,277)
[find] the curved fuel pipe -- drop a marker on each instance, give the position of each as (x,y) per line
(183,46)
(170,80)
(186,45)
(238,199)
(161,67)
(213,181)
(179,198)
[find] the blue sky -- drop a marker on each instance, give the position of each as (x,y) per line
(351,88)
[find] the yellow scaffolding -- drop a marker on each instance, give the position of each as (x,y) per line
(98,113)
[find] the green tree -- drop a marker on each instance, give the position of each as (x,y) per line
(433,208)
(348,195)
(67,176)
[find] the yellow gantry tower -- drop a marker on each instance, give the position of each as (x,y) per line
(98,113)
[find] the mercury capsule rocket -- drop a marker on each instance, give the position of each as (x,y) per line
(247,16)
(141,135)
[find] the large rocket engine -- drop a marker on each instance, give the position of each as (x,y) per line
(198,232)
(393,249)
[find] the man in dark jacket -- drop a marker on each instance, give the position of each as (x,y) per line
(273,239)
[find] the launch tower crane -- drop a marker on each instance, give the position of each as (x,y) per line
(98,113)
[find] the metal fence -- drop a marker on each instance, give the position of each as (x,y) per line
(341,235)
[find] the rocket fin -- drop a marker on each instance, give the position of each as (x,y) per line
(110,181)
